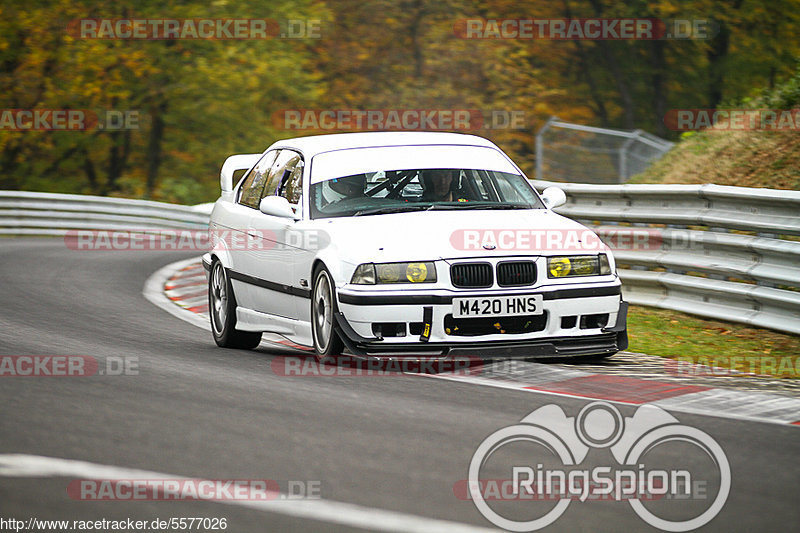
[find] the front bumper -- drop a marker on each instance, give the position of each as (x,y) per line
(554,337)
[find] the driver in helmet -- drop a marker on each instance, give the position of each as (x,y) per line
(349,187)
(440,185)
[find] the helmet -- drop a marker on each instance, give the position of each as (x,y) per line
(349,186)
(428,177)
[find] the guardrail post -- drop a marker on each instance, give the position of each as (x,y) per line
(540,147)
(623,155)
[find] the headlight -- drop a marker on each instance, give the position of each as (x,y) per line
(364,275)
(578,265)
(372,273)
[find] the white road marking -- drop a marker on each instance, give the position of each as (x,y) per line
(332,512)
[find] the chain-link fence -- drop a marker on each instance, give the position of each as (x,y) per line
(584,154)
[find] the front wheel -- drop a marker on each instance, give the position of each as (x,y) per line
(222,310)
(323,305)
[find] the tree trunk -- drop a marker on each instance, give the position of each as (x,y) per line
(8,164)
(414,32)
(659,65)
(91,173)
(117,158)
(717,55)
(586,73)
(154,146)
(623,87)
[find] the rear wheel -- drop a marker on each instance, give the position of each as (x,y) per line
(323,306)
(222,310)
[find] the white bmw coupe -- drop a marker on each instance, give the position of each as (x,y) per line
(405,243)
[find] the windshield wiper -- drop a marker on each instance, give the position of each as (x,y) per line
(389,209)
(468,205)
(437,207)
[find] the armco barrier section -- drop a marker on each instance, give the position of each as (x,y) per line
(34,213)
(731,253)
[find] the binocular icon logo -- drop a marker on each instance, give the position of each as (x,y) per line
(568,440)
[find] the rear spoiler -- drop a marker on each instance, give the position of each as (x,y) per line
(231,165)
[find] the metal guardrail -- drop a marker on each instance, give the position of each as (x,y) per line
(35,213)
(723,252)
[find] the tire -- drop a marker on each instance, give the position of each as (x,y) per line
(327,342)
(222,312)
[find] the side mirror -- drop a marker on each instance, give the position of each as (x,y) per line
(231,165)
(277,206)
(554,197)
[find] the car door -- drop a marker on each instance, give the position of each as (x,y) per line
(267,264)
(232,231)
(302,241)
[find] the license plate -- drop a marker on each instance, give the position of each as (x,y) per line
(526,304)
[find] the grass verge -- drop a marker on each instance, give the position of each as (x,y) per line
(712,343)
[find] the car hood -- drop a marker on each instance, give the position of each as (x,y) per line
(432,235)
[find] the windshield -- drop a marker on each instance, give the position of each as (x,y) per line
(374,193)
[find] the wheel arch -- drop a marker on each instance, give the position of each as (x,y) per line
(222,254)
(330,258)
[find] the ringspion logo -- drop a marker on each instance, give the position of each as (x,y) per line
(671,491)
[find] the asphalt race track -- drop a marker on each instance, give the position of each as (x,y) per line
(385,452)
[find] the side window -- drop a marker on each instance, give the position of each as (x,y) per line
(253,185)
(292,187)
(279,171)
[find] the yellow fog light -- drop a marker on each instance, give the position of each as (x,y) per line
(559,267)
(416,272)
